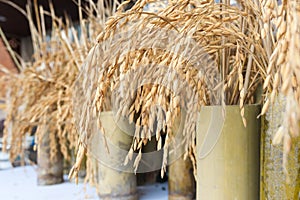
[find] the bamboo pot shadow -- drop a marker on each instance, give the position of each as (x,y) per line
(151,174)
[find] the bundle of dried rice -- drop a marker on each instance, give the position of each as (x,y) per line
(42,94)
(156,65)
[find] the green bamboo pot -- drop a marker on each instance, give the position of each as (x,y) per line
(181,183)
(50,171)
(114,182)
(228,156)
(274,184)
(181,180)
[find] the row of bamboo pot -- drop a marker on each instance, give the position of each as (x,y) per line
(230,170)
(229,165)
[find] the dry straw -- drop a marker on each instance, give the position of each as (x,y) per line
(42,93)
(229,66)
(240,47)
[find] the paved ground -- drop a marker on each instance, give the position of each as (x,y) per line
(20,184)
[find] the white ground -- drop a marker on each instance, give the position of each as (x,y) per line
(20,184)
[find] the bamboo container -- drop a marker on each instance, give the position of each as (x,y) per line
(50,171)
(228,158)
(181,182)
(274,182)
(114,181)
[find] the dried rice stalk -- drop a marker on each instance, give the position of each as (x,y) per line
(225,71)
(43,92)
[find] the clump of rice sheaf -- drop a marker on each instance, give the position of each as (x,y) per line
(229,66)
(42,93)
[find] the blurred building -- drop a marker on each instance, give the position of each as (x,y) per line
(7,62)
(14,24)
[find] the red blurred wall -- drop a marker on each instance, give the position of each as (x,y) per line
(5,58)
(7,62)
